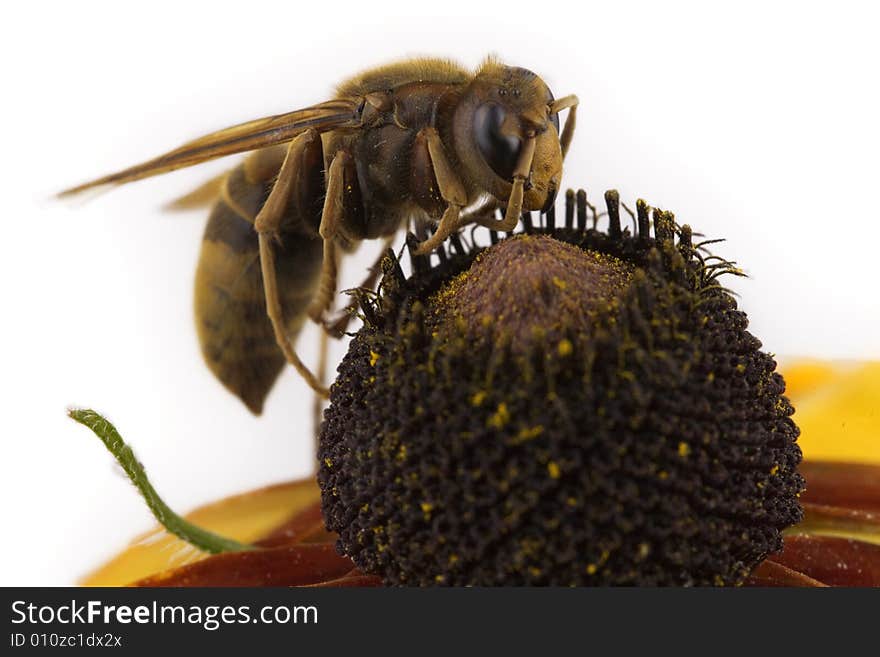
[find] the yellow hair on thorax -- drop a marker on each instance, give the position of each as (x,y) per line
(416,69)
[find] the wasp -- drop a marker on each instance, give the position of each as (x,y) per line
(423,141)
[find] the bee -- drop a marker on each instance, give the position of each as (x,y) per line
(423,141)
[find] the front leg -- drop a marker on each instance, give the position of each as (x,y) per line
(570,103)
(520,175)
(485,215)
(435,183)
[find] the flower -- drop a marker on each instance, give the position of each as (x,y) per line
(566,407)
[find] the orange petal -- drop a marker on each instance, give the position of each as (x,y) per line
(832,560)
(289,565)
(848,485)
(839,521)
(353,579)
(305,526)
(770,573)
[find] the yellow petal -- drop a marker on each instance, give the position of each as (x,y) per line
(804,376)
(837,408)
(245,518)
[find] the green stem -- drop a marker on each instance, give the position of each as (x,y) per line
(196,536)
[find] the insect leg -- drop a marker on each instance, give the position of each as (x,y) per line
(520,175)
(337,328)
(327,285)
(436,167)
(318,401)
(449,223)
(570,103)
(482,216)
(276,315)
(267,225)
(331,216)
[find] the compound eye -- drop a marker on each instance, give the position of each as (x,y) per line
(499,150)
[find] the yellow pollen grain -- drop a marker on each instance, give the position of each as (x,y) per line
(453,558)
(479,397)
(592,568)
(374,358)
(500,417)
(711,377)
(663,475)
(528,433)
(553,470)
(565,347)
(328,463)
(440,579)
(427,507)
(683,449)
(774,470)
(558,282)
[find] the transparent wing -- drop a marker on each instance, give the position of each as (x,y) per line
(340,113)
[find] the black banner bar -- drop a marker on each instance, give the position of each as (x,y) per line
(420,621)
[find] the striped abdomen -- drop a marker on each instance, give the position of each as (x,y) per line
(235,334)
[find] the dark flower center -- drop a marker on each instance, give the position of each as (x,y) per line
(531,287)
(567,407)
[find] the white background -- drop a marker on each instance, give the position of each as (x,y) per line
(758,123)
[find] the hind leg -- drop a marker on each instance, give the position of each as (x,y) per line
(268,225)
(321,373)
